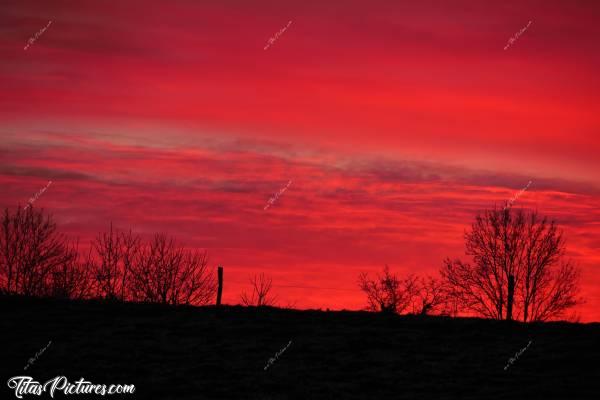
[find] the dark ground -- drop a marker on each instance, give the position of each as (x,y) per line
(209,353)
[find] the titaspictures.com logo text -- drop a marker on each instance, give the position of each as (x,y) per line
(24,385)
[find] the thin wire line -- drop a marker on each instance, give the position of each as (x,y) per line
(302,287)
(313,287)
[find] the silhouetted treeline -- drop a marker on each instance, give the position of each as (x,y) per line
(517,271)
(37,260)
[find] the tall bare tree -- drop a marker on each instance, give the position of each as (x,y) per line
(518,269)
(129,255)
(261,292)
(387,293)
(73,279)
(30,251)
(109,270)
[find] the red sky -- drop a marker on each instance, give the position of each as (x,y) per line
(396,124)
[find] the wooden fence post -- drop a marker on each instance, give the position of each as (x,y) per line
(220,290)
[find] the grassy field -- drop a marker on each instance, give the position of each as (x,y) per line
(209,353)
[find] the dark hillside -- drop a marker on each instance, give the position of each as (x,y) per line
(208,353)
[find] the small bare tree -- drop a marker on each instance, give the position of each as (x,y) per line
(260,296)
(194,282)
(431,296)
(168,274)
(387,293)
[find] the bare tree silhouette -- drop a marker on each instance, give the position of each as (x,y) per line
(387,293)
(109,273)
(30,251)
(168,274)
(35,260)
(260,296)
(129,254)
(431,296)
(74,278)
(518,269)
(194,283)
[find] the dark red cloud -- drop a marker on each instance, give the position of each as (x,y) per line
(330,224)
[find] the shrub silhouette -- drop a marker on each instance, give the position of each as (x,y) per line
(387,293)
